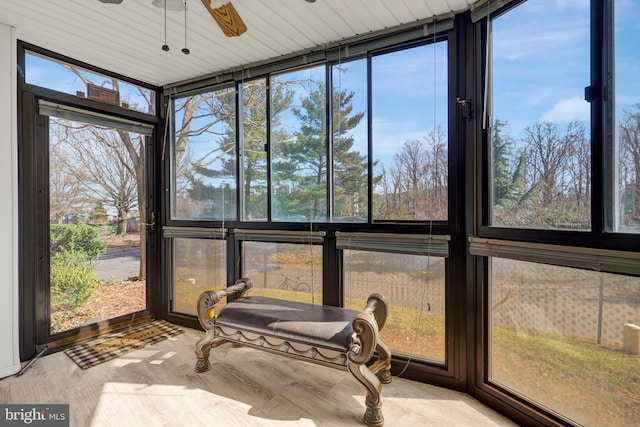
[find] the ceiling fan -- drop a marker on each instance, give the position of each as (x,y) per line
(222,11)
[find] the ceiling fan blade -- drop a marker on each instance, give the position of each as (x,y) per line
(227,18)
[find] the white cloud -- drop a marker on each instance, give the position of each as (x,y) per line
(388,139)
(567,110)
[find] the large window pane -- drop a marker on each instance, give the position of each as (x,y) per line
(198,265)
(557,338)
(204,156)
(350,142)
(299,145)
(414,286)
(540,121)
(410,141)
(254,153)
(627,113)
(67,78)
(284,270)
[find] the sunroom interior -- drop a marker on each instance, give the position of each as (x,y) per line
(475,162)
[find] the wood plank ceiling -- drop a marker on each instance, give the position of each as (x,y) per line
(126,38)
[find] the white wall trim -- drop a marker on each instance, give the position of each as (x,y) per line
(9,320)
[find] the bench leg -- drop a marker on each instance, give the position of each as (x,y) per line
(373,414)
(382,366)
(203,346)
(384,374)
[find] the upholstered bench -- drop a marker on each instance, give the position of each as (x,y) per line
(325,335)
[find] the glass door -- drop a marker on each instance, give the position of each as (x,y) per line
(96,214)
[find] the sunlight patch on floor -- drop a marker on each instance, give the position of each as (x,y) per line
(124,404)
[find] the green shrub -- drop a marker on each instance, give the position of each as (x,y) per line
(77,238)
(73,248)
(71,280)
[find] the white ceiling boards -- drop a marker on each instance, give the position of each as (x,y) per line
(127,38)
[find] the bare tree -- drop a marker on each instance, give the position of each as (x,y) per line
(556,176)
(199,116)
(65,192)
(437,143)
(410,171)
(415,185)
(100,164)
(550,149)
(391,196)
(580,174)
(630,158)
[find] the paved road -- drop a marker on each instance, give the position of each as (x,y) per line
(118,264)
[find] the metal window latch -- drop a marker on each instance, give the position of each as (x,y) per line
(467,112)
(151,224)
(589,93)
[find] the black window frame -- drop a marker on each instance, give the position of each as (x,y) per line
(599,91)
(600,94)
(452,372)
(33,236)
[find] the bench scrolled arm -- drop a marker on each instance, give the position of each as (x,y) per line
(377,304)
(364,344)
(367,325)
(209,299)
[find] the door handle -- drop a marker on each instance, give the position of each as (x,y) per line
(151,224)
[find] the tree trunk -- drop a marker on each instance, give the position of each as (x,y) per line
(121,223)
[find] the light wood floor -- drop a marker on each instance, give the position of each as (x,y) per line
(156,386)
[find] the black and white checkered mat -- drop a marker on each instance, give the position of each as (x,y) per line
(117,343)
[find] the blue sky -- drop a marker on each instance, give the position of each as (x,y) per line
(541,62)
(409,96)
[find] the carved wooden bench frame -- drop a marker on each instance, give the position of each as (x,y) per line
(365,341)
